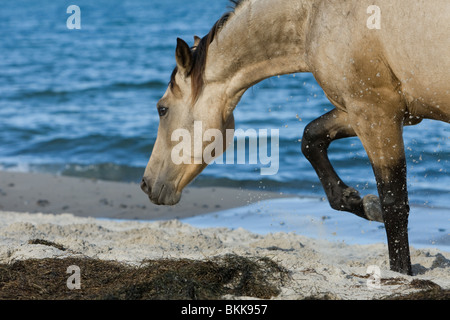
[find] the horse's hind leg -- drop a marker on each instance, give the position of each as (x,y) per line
(380,132)
(316,138)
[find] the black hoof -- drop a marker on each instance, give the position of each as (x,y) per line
(372,208)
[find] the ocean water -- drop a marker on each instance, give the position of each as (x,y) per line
(82,102)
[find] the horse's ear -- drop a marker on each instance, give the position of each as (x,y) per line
(183,56)
(196,41)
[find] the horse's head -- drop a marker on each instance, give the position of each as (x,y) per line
(176,158)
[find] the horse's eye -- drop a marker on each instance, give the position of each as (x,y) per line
(162,111)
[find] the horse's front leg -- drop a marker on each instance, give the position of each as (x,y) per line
(380,132)
(316,139)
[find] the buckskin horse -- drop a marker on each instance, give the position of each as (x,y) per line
(378,79)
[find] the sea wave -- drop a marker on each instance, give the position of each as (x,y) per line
(74,90)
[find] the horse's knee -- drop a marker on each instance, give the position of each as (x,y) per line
(313,140)
(307,140)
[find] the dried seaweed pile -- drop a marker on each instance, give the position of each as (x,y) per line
(164,279)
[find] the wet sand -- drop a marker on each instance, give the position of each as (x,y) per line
(45,193)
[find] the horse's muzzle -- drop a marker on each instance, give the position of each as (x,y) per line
(160,194)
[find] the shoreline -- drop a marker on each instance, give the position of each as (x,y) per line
(259,212)
(46,193)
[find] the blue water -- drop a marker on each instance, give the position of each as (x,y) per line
(82,102)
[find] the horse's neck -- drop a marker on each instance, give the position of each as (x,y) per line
(263,38)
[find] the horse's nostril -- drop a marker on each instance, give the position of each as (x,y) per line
(144,186)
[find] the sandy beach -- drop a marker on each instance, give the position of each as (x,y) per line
(71,213)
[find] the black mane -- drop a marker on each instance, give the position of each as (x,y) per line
(200,52)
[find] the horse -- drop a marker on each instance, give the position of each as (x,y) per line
(379,80)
